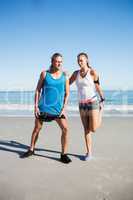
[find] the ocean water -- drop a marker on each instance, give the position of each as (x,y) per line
(21,103)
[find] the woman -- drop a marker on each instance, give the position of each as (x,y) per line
(87,81)
(51,97)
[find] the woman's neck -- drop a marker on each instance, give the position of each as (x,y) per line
(54,70)
(84,70)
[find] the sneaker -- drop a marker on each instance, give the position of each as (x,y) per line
(27,154)
(65,159)
(87,157)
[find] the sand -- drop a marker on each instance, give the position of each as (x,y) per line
(108,176)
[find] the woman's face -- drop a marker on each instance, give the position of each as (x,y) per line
(57,62)
(82,61)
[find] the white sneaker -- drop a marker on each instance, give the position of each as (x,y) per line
(87,157)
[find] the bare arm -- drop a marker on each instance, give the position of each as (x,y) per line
(100,92)
(97,84)
(38,89)
(67,91)
(73,77)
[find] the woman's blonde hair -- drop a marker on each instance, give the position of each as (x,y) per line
(55,55)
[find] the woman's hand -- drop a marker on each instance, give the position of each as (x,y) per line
(36,111)
(63,112)
(101,105)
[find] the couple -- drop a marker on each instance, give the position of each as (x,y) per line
(51,97)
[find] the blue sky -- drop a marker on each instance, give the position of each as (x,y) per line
(32,30)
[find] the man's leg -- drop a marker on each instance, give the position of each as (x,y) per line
(64,139)
(35,133)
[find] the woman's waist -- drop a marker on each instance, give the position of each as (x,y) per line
(50,98)
(88,100)
(54,110)
(86,93)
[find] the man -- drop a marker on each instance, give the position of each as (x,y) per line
(51,97)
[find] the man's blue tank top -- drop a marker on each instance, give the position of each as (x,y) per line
(52,96)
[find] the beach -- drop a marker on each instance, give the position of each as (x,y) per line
(108,176)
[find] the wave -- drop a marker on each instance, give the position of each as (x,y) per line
(27,110)
(69,107)
(16,107)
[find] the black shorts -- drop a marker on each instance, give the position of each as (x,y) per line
(46,117)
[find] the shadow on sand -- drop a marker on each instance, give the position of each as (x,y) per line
(17,147)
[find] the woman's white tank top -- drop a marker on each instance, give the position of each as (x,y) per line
(86,87)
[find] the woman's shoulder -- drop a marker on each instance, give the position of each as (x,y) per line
(43,73)
(93,72)
(75,72)
(66,73)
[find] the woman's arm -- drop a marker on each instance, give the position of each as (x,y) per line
(73,77)
(97,85)
(67,91)
(38,91)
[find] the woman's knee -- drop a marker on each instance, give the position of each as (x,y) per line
(99,123)
(87,131)
(93,129)
(95,126)
(65,130)
(38,127)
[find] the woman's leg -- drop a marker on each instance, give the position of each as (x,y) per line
(64,140)
(64,137)
(100,117)
(94,120)
(88,141)
(35,133)
(87,133)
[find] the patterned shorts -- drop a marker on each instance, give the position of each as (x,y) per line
(89,106)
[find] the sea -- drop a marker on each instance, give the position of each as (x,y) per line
(21,103)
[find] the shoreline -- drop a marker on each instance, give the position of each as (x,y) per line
(71,111)
(68,116)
